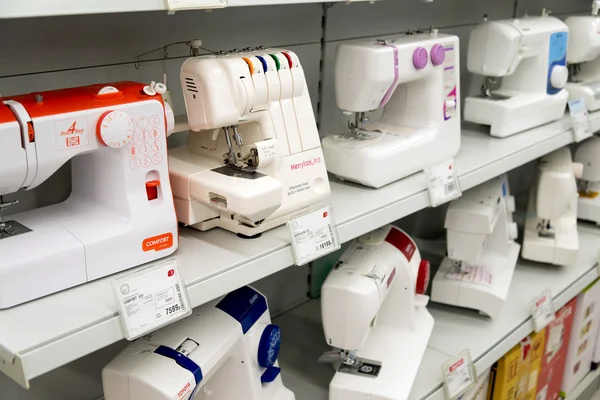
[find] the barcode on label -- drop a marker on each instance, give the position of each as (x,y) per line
(180,296)
(449,188)
(331,235)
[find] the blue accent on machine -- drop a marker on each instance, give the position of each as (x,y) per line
(181,360)
(269,345)
(557,56)
(245,305)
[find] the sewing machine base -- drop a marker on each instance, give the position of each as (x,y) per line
(375,159)
(68,253)
(518,113)
(588,208)
(487,299)
(589,91)
(562,249)
(400,352)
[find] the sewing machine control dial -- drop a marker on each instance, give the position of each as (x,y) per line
(438,54)
(420,58)
(115,129)
(559,76)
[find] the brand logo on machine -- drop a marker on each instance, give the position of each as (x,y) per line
(73,130)
(184,391)
(71,133)
(306,163)
(157,243)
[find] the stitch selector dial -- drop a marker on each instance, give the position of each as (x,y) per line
(115,129)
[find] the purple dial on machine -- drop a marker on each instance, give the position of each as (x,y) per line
(420,58)
(438,54)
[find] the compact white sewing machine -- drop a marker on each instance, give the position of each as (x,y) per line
(583,57)
(529,54)
(225,350)
(415,79)
(588,204)
(482,252)
(120,212)
(374,311)
(254,156)
(551,226)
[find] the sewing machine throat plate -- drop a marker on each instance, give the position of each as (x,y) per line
(12,228)
(362,367)
(238,173)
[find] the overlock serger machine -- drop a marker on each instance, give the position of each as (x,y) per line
(529,54)
(120,212)
(583,58)
(225,350)
(254,155)
(414,78)
(551,225)
(588,204)
(482,252)
(374,311)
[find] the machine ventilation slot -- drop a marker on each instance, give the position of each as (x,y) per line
(191,86)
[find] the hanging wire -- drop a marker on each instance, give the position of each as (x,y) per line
(193,45)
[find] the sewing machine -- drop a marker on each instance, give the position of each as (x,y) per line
(588,204)
(414,78)
(225,350)
(482,252)
(583,58)
(373,309)
(529,54)
(254,155)
(551,226)
(120,212)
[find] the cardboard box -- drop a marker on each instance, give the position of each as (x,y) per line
(583,337)
(554,356)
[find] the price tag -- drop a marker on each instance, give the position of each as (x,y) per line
(442,183)
(579,117)
(542,310)
(313,235)
(177,5)
(459,375)
(151,298)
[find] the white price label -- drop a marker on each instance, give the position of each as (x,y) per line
(313,235)
(442,183)
(175,5)
(542,310)
(151,298)
(579,117)
(459,375)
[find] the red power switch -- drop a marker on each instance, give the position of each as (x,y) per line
(152,190)
(423,277)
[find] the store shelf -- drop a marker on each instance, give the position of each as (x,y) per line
(583,385)
(42,335)
(36,8)
(455,329)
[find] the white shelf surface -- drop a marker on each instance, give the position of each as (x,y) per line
(45,334)
(37,8)
(583,385)
(455,329)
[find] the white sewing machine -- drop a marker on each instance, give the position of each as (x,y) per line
(529,54)
(373,309)
(588,204)
(225,350)
(120,212)
(254,155)
(482,252)
(583,57)
(551,226)
(415,80)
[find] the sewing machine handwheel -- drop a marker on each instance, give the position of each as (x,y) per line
(423,276)
(269,345)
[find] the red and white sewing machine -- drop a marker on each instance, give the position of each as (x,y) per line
(120,212)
